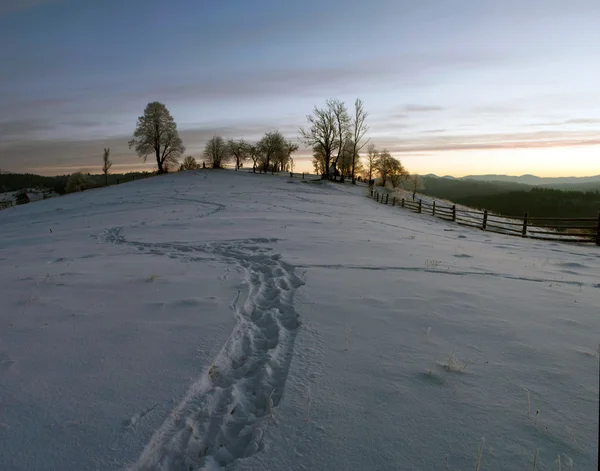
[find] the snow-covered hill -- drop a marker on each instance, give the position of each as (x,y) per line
(222,319)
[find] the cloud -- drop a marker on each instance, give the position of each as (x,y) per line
(21,128)
(483,142)
(422,108)
(9,6)
(41,129)
(576,121)
(306,81)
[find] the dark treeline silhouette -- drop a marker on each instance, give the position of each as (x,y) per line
(514,199)
(452,189)
(58,184)
(539,202)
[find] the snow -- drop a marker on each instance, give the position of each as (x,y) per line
(222,319)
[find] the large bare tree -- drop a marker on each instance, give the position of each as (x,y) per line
(342,128)
(239,150)
(358,129)
(346,159)
(321,133)
(216,152)
(156,133)
(106,165)
(318,159)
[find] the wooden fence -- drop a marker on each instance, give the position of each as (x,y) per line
(585,230)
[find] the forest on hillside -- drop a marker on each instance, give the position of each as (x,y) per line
(58,184)
(514,199)
(539,202)
(452,189)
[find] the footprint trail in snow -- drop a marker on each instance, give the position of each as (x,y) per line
(222,417)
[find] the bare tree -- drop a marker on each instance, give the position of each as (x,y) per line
(372,156)
(322,133)
(284,159)
(345,162)
(398,174)
(216,152)
(106,165)
(318,160)
(189,163)
(156,132)
(390,169)
(359,129)
(415,183)
(254,153)
(271,147)
(342,127)
(238,149)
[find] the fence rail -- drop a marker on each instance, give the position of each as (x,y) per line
(586,230)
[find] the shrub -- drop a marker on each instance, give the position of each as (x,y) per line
(78,182)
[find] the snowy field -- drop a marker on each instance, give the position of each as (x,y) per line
(222,319)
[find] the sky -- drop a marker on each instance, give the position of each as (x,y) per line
(452,87)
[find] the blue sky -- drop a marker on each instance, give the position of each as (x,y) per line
(452,86)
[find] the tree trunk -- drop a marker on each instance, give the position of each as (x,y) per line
(158,161)
(105,179)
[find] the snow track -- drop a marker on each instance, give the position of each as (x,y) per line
(224,413)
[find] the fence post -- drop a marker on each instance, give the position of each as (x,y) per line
(485,214)
(403,202)
(420,206)
(394,201)
(117,181)
(433,209)
(598,231)
(377,196)
(387,198)
(454,212)
(524,233)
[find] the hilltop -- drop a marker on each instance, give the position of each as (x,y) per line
(219,320)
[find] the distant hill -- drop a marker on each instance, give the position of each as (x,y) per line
(491,184)
(555,197)
(456,188)
(534,180)
(18,181)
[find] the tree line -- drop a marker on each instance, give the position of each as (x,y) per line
(336,136)
(62,184)
(156,134)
